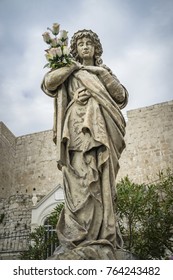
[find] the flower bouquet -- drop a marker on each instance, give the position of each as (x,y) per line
(58,54)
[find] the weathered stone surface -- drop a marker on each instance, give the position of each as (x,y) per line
(125,255)
(89,131)
(95,252)
(149,148)
(15,225)
(149,145)
(90,252)
(149,135)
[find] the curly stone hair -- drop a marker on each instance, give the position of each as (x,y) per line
(94,38)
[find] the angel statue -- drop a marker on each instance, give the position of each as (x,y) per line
(89,131)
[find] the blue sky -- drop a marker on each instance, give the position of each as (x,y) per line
(137,40)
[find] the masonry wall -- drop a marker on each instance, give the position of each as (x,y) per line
(29,162)
(36,167)
(149,143)
(7,160)
(16,216)
(15,225)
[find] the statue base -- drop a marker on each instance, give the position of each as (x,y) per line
(91,252)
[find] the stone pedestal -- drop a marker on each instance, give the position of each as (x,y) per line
(92,252)
(89,252)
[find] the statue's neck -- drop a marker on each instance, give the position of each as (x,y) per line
(88,62)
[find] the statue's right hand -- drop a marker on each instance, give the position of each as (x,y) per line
(76,65)
(58,76)
(81,95)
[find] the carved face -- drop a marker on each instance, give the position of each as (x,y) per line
(85,48)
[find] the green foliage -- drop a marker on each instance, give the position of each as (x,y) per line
(40,241)
(38,246)
(146,221)
(53,217)
(146,217)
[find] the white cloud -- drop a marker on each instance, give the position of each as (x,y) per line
(21,93)
(137,42)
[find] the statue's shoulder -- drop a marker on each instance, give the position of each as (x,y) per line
(107,68)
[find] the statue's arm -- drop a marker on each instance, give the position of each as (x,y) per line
(53,79)
(117,91)
(115,88)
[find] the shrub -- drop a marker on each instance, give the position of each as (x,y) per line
(146,217)
(39,241)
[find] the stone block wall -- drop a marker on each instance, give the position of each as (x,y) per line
(15,225)
(7,160)
(15,212)
(35,166)
(149,143)
(29,162)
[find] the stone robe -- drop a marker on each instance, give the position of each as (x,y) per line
(92,140)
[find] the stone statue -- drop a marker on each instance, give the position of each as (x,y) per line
(89,132)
